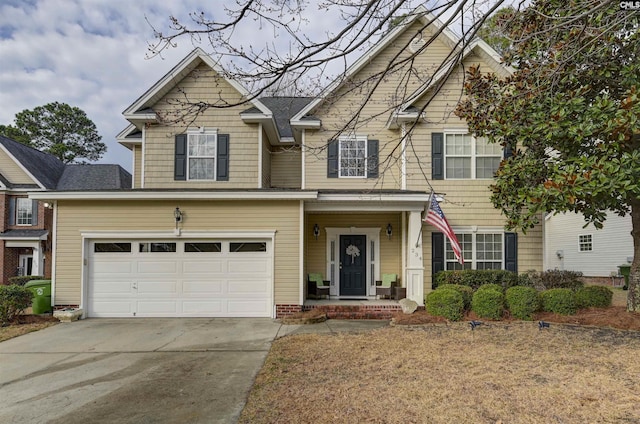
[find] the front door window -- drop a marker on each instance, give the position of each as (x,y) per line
(26,265)
(353,265)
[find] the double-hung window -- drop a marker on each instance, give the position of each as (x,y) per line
(353,157)
(201,155)
(469,157)
(479,250)
(585,242)
(24,211)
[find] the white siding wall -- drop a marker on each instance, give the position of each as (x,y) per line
(611,245)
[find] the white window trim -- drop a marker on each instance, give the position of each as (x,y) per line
(474,231)
(590,242)
(203,131)
(17,211)
(366,155)
(473,156)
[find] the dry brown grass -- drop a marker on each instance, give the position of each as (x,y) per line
(446,373)
(26,324)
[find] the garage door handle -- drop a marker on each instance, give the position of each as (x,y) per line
(134,286)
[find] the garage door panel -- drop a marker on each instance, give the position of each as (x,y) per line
(113,288)
(247,287)
(164,307)
(248,307)
(207,266)
(122,266)
(200,307)
(157,287)
(248,266)
(219,283)
(202,287)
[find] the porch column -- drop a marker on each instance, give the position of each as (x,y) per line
(414,273)
(36,265)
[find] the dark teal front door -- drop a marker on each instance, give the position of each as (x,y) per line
(353,265)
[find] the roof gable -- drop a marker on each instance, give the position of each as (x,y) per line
(44,168)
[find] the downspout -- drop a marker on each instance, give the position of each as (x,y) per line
(260,153)
(54,250)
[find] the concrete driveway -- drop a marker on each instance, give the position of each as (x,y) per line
(134,370)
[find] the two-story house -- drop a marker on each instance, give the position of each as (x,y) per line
(233,206)
(26,246)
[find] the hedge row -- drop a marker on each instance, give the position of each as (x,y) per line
(552,279)
(490,301)
(14,299)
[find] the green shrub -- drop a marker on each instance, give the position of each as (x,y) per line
(560,301)
(476,278)
(24,279)
(465,291)
(556,279)
(522,302)
(446,303)
(594,297)
(488,303)
(491,286)
(14,299)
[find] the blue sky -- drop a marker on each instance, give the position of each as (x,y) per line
(93,54)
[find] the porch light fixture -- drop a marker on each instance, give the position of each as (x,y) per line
(177,214)
(316,231)
(389,231)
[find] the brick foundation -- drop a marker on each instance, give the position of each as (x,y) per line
(287,310)
(357,311)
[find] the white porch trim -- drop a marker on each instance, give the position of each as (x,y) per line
(414,271)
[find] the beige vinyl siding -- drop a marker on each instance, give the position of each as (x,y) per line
(137,166)
(206,86)
(12,171)
(340,107)
(75,217)
(286,167)
(266,161)
(390,250)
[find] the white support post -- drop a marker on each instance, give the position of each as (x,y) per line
(414,275)
(37,260)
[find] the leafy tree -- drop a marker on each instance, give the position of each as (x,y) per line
(572,107)
(57,128)
(494,32)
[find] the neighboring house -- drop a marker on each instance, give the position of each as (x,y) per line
(26,230)
(571,246)
(231,208)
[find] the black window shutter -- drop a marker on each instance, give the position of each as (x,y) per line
(222,160)
(437,156)
(34,212)
(180,169)
(507,152)
(332,159)
(12,211)
(437,255)
(511,252)
(372,160)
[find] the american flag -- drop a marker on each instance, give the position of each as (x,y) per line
(436,217)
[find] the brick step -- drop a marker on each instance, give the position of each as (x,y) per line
(356,311)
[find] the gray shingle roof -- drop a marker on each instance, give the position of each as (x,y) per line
(283,108)
(94,177)
(24,234)
(46,168)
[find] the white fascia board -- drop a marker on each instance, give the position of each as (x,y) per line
(141,117)
(26,171)
(395,206)
(174,195)
(138,235)
(306,124)
(171,79)
(419,12)
(376,197)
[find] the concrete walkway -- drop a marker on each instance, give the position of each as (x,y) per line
(141,370)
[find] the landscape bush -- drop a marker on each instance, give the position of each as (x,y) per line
(491,286)
(446,303)
(24,279)
(14,299)
(560,301)
(488,303)
(475,278)
(594,297)
(465,291)
(522,302)
(552,279)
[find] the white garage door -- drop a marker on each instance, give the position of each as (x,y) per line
(197,278)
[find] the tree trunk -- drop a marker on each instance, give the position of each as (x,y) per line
(633,297)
